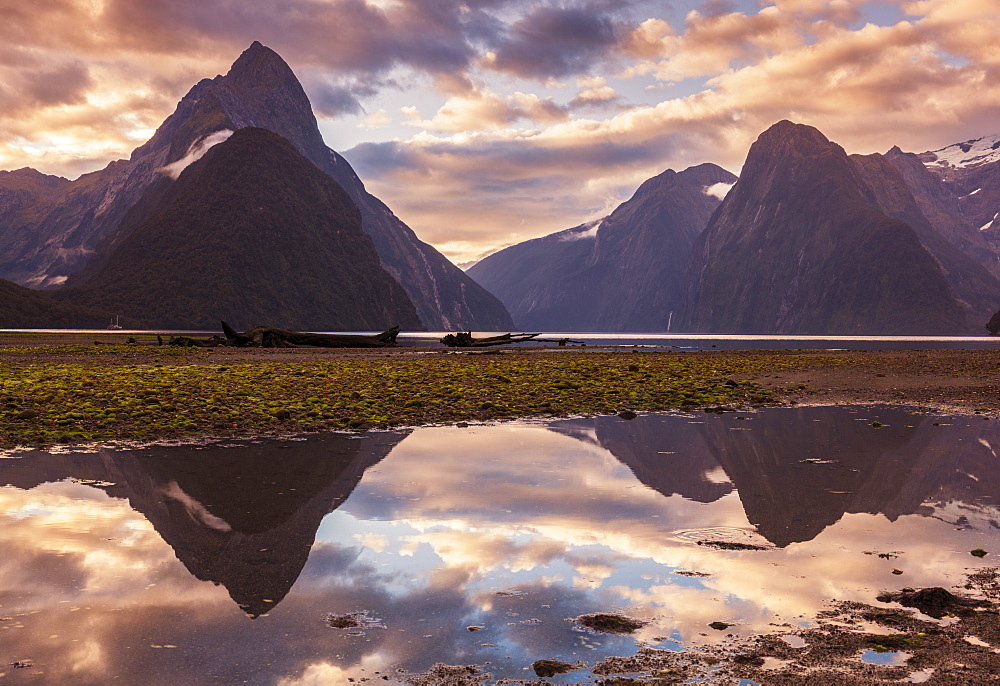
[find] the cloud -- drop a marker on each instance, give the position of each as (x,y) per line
(909,83)
(719,190)
(377,120)
(536,116)
(594,91)
(555,41)
(483,109)
(195,152)
(582,232)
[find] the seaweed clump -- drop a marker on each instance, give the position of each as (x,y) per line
(610,623)
(547,668)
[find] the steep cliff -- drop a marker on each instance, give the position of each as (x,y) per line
(799,245)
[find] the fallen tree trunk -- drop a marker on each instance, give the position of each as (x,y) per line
(464,339)
(269,337)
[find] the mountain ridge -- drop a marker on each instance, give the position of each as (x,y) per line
(621,273)
(83,222)
(265,233)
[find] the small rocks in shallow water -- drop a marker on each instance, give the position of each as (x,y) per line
(978,552)
(353,620)
(897,571)
(627,414)
(452,675)
(547,668)
(935,602)
(476,628)
(348,621)
(720,626)
(609,623)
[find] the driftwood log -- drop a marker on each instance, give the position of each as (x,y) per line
(993,326)
(464,339)
(268,337)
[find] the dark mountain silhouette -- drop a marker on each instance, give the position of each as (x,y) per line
(623,273)
(252,232)
(941,204)
(799,245)
(77,225)
(22,307)
(243,516)
(976,288)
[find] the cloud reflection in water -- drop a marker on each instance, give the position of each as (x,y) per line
(514,528)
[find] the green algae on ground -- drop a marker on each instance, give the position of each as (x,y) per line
(145,393)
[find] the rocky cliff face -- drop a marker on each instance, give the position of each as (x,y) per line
(79,225)
(252,232)
(977,290)
(800,245)
(970,171)
(941,205)
(623,273)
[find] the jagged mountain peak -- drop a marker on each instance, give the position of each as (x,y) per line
(260,69)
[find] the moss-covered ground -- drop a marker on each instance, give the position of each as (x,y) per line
(84,393)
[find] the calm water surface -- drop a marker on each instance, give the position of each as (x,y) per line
(222,563)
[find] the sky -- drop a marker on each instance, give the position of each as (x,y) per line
(483,123)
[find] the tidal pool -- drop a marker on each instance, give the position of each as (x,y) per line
(334,558)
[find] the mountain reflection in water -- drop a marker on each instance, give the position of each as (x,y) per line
(513,528)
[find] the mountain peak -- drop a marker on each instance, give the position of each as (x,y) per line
(802,136)
(261,67)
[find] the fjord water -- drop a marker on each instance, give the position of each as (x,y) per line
(225,562)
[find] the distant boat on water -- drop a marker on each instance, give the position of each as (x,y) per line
(114,323)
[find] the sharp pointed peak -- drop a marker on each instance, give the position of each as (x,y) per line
(257,58)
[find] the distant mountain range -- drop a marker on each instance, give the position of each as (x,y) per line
(56,233)
(809,240)
(622,273)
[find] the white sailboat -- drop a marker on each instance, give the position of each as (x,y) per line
(114,323)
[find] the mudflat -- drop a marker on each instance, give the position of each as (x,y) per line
(75,388)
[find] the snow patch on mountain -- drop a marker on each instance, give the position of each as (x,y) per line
(990,222)
(195,152)
(971,153)
(718,190)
